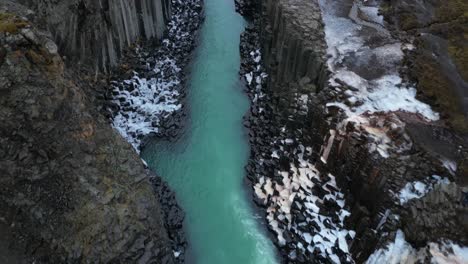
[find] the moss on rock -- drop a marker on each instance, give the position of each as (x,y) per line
(447,20)
(9,23)
(438,89)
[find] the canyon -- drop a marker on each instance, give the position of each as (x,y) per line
(173,131)
(343,146)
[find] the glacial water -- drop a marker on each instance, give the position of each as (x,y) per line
(206,165)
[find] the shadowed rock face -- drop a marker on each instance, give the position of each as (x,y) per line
(94,33)
(71,189)
(293,52)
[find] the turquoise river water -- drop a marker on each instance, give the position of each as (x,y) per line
(205,166)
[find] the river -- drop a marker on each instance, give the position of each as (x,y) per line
(205,166)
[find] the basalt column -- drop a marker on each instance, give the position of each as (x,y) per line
(96,32)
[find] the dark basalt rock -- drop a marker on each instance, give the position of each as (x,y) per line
(175,49)
(95,33)
(439,64)
(248,8)
(79,181)
(368,181)
(71,188)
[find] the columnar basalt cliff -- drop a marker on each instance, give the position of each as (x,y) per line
(72,189)
(95,33)
(293,46)
(395,161)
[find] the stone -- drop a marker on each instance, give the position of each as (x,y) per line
(68,190)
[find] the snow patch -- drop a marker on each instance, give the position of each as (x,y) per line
(417,189)
(298,186)
(368,93)
(143,103)
(401,252)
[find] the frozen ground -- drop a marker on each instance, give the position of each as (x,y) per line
(401,252)
(417,189)
(365,62)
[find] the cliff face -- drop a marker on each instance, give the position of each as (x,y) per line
(354,149)
(71,189)
(440,62)
(94,33)
(292,45)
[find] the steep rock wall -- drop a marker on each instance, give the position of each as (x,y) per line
(71,189)
(440,62)
(294,54)
(94,33)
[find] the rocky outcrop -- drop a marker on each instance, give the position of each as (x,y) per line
(307,112)
(148,99)
(247,8)
(95,33)
(305,209)
(293,52)
(72,190)
(440,61)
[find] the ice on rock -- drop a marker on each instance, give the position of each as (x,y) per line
(275,154)
(379,92)
(417,189)
(152,101)
(335,258)
(296,188)
(312,207)
(389,94)
(145,103)
(292,204)
(258,58)
(401,252)
(327,148)
(307,237)
(249,77)
(450,165)
(268,187)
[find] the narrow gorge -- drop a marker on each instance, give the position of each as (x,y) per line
(233,131)
(205,164)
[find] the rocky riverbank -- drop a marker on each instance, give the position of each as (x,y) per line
(76,177)
(388,179)
(305,209)
(72,189)
(147,99)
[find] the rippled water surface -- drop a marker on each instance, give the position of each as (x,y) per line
(206,165)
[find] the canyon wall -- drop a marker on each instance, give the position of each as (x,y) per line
(94,33)
(72,190)
(440,62)
(295,56)
(293,46)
